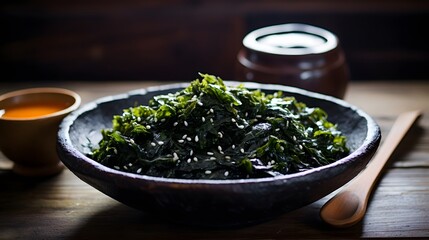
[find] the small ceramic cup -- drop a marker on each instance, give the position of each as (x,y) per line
(294,54)
(29,122)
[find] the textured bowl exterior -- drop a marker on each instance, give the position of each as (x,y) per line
(214,202)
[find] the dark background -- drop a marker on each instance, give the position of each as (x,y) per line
(175,39)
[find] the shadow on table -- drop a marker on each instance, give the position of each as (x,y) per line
(122,222)
(11,182)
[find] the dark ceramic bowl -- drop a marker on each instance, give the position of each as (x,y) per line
(214,202)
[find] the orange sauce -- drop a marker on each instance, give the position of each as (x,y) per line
(31,110)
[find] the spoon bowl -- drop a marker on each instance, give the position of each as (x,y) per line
(346,205)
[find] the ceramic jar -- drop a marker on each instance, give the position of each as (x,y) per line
(296,55)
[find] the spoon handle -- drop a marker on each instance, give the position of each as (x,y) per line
(349,205)
(367,179)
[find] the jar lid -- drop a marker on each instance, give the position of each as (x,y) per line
(291,39)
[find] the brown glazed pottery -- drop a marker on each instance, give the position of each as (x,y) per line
(296,55)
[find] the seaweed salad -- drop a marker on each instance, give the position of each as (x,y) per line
(212,131)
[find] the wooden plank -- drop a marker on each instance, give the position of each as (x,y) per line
(65,207)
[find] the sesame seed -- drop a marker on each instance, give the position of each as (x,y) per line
(282,148)
(130,164)
(241,150)
(181,141)
(115,151)
(227,157)
(200,103)
(210,153)
(246,114)
(139,119)
(175,123)
(233,146)
(294,138)
(139,170)
(196,138)
(153,144)
(148,127)
(240,126)
(300,147)
(273,162)
(125,167)
(195,159)
(186,123)
(191,152)
(212,158)
(258,116)
(211,110)
(277,129)
(132,141)
(220,134)
(175,156)
(208,172)
(116,167)
(220,149)
(226,174)
(233,120)
(163,120)
(189,139)
(184,136)
(156,119)
(189,160)
(203,119)
(160,142)
(211,120)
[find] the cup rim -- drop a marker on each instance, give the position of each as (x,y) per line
(43,90)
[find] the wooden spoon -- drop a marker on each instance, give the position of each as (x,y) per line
(349,206)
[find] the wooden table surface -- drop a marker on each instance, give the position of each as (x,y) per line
(64,207)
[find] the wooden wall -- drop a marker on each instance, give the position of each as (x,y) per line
(175,39)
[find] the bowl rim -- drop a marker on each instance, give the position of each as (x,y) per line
(43,91)
(373,136)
